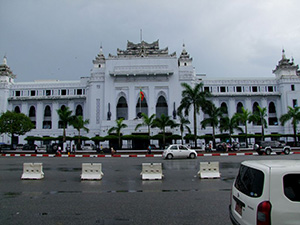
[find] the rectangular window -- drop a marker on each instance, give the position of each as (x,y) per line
(206,89)
(18,93)
(293,87)
(61,125)
(291,184)
(47,124)
(223,89)
(239,89)
(254,89)
(295,103)
(48,92)
(32,93)
(79,91)
(270,88)
(250,181)
(63,92)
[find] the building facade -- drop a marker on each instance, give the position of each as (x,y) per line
(112,91)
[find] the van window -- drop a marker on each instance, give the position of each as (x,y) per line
(291,184)
(250,181)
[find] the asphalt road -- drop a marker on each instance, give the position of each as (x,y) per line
(121,197)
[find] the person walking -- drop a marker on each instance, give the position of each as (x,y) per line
(112,151)
(149,149)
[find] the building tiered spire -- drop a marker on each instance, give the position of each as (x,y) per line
(285,66)
(5,70)
(184,58)
(99,60)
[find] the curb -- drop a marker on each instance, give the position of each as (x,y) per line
(128,155)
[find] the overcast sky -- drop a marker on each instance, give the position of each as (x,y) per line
(58,39)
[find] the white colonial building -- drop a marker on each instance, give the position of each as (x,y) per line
(113,88)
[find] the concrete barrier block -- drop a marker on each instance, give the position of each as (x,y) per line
(91,171)
(152,171)
(32,171)
(209,170)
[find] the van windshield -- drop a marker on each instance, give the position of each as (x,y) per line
(250,181)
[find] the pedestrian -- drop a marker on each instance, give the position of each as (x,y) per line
(112,151)
(73,148)
(58,152)
(209,147)
(149,149)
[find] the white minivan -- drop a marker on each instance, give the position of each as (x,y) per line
(266,192)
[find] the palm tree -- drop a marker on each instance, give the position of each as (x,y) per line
(65,117)
(230,124)
(147,121)
(162,123)
(193,97)
(78,123)
(213,120)
(244,117)
(183,124)
(120,125)
(259,117)
(294,115)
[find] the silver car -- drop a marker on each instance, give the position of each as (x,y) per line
(179,151)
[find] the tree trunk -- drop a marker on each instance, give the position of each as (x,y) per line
(195,126)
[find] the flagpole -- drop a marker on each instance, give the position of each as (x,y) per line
(140,101)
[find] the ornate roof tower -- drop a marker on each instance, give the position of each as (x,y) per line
(5,70)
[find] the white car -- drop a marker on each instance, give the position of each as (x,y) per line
(266,192)
(88,146)
(179,151)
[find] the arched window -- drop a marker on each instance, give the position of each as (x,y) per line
(224,107)
(273,120)
(47,111)
(62,107)
(254,107)
(47,123)
(32,115)
(32,111)
(161,107)
(272,108)
(17,109)
(122,108)
(239,107)
(79,111)
(141,107)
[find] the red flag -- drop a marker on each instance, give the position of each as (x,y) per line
(142,95)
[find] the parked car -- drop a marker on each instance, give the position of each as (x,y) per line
(153,147)
(179,151)
(266,192)
(19,146)
(4,146)
(88,146)
(30,147)
(271,146)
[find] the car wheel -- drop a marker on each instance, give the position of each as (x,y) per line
(268,151)
(192,156)
(286,151)
(169,156)
(55,147)
(278,153)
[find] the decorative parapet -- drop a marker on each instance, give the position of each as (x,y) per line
(142,49)
(142,70)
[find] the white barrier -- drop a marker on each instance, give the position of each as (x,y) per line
(209,170)
(91,171)
(32,171)
(152,171)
